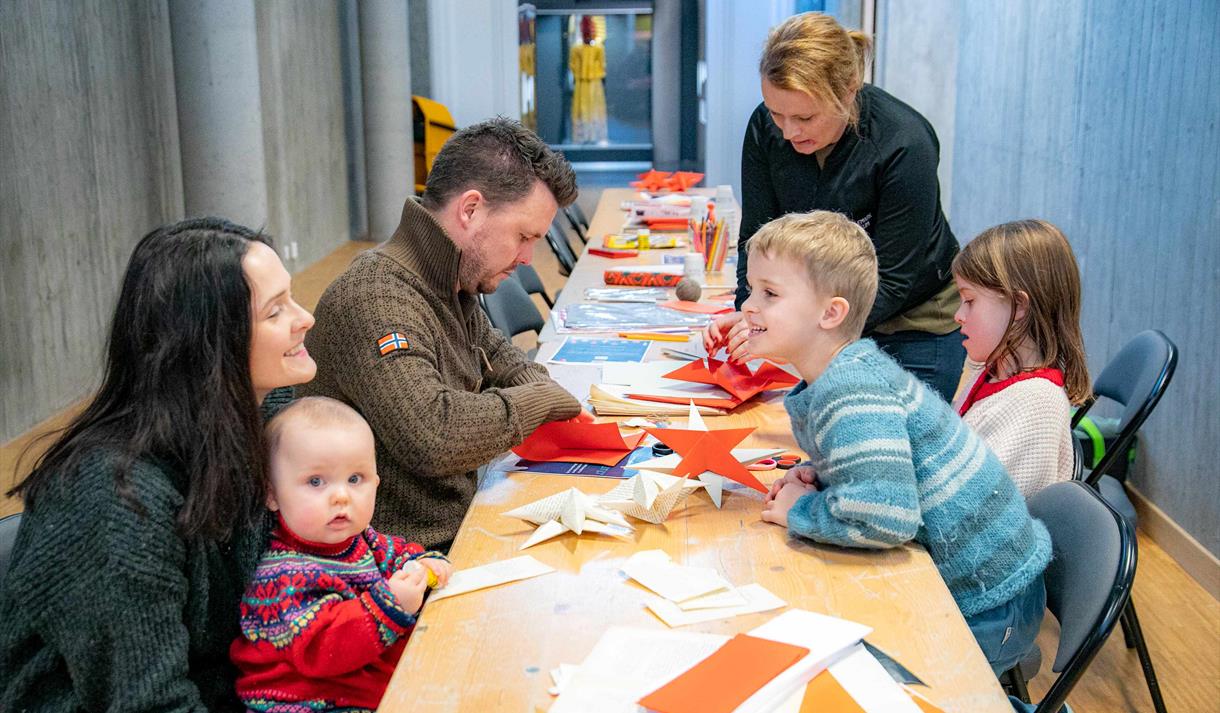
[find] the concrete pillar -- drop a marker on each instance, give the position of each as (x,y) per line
(220,124)
(385,70)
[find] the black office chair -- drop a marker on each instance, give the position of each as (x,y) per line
(529,279)
(578,221)
(558,240)
(8,536)
(1088,581)
(511,310)
(1136,379)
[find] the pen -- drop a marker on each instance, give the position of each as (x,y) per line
(655,337)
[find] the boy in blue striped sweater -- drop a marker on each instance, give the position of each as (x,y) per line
(889,461)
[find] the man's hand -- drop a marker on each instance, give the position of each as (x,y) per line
(583,417)
(777,509)
(408,585)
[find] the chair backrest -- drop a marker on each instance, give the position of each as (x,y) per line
(511,310)
(578,221)
(1088,581)
(558,241)
(1136,378)
(8,535)
(529,279)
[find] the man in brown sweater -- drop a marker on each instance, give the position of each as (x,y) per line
(400,335)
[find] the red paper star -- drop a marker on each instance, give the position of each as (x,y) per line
(651,181)
(680,181)
(708,450)
(737,379)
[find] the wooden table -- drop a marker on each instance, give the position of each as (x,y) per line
(493,650)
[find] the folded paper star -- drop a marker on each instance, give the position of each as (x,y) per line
(569,511)
(651,181)
(573,442)
(737,379)
(708,453)
(649,496)
(680,181)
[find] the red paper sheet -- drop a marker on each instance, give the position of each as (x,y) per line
(568,442)
(737,379)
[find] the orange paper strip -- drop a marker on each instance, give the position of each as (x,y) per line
(723,681)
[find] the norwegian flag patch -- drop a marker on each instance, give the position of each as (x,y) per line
(392,342)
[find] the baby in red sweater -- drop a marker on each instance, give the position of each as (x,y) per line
(332,601)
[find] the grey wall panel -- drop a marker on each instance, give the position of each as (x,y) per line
(89,152)
(305,149)
(1104,118)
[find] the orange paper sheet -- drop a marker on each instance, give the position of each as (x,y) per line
(723,681)
(569,442)
(825,694)
(727,404)
(696,307)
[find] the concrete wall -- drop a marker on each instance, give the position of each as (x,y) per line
(303,138)
(91,159)
(735,35)
(473,58)
(1102,118)
(914,62)
(88,164)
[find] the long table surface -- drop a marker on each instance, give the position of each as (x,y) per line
(492,650)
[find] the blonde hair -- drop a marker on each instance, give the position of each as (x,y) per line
(1033,257)
(812,53)
(315,411)
(838,256)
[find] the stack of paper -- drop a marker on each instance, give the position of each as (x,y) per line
(628,664)
(616,395)
(690,595)
(615,317)
(613,400)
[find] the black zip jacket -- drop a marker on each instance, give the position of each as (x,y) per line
(881,174)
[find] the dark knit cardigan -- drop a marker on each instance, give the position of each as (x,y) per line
(456,392)
(107,608)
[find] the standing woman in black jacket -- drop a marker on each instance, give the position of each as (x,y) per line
(824,140)
(145,518)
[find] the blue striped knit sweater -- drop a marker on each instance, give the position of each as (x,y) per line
(895,464)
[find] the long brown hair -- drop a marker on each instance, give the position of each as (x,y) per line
(1033,258)
(814,54)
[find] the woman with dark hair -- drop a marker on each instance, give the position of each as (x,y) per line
(823,139)
(144,519)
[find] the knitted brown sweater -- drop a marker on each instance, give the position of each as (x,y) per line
(457,395)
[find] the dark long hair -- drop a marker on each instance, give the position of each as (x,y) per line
(177,387)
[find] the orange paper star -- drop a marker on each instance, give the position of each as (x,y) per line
(708,451)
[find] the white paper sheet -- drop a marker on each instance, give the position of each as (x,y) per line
(627,664)
(489,575)
(757,598)
(872,687)
(826,637)
(673,581)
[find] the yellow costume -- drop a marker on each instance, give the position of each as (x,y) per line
(588,65)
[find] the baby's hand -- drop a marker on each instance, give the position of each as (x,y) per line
(440,568)
(408,585)
(776,510)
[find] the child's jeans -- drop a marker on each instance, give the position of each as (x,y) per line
(1007,632)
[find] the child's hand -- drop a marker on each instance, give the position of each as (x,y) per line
(777,509)
(408,586)
(721,330)
(442,569)
(800,475)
